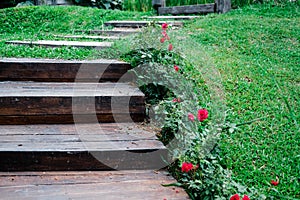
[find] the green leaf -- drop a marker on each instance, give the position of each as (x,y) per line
(177,184)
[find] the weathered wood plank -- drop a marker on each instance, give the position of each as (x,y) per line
(104,137)
(79,147)
(173,17)
(111,32)
(82,160)
(53,43)
(57,139)
(94,37)
(69,119)
(134,130)
(193,9)
(223,6)
(24,102)
(37,89)
(84,185)
(77,177)
(68,146)
(138,24)
(50,70)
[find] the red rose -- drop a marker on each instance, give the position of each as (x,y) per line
(170,47)
(162,40)
(246,197)
(191,117)
(202,115)
(176,68)
(275,183)
(164,33)
(186,167)
(164,26)
(176,100)
(235,197)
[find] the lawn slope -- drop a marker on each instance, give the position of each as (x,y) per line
(257,51)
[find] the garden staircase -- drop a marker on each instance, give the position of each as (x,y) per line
(120,29)
(65,126)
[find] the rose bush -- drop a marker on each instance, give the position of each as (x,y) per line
(174,98)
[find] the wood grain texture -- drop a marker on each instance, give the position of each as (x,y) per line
(54,43)
(93,37)
(111,32)
(49,70)
(111,185)
(173,17)
(193,9)
(138,24)
(24,102)
(223,6)
(69,119)
(79,147)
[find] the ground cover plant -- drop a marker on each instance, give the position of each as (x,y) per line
(255,50)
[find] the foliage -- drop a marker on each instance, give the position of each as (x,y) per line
(10,3)
(138,5)
(255,49)
(242,3)
(256,56)
(189,140)
(103,4)
(26,3)
(146,5)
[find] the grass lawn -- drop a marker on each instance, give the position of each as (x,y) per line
(257,51)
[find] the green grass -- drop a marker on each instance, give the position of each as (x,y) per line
(146,5)
(41,23)
(257,51)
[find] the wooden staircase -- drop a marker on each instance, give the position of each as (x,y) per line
(67,126)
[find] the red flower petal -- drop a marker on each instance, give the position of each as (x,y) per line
(176,100)
(162,40)
(176,68)
(164,26)
(164,33)
(167,37)
(191,117)
(202,115)
(246,197)
(170,47)
(186,167)
(235,197)
(275,183)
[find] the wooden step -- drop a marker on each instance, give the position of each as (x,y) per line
(80,147)
(139,24)
(93,37)
(54,43)
(190,9)
(51,103)
(49,70)
(114,32)
(112,185)
(182,17)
